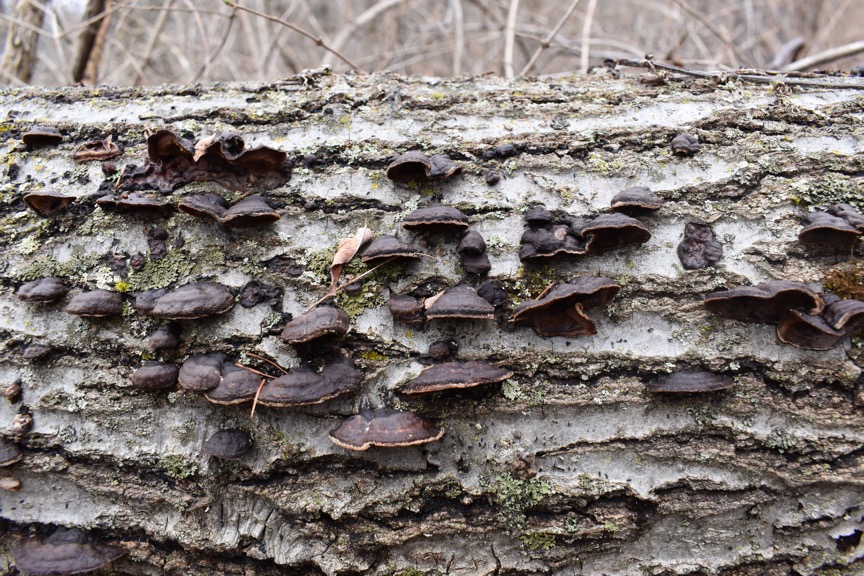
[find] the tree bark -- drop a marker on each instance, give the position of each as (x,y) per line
(569,467)
(22,40)
(92,42)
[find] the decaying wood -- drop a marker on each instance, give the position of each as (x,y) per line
(570,467)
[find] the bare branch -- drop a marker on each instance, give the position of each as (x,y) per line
(548,40)
(510,39)
(586,37)
(826,56)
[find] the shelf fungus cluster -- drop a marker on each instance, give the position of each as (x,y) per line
(549,235)
(415,166)
(804,318)
(560,310)
(840,226)
(64,552)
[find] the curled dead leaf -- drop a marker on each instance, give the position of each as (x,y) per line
(347,249)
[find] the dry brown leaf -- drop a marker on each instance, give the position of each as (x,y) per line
(202,145)
(432,299)
(347,249)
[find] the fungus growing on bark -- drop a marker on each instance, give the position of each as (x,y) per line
(95,304)
(539,216)
(849,214)
(304,387)
(204,206)
(201,373)
(104,149)
(821,228)
(47,202)
(453,375)
(685,145)
(436,219)
(165,337)
(405,309)
(9,452)
(132,202)
(846,315)
(493,292)
(460,302)
(224,159)
(42,136)
(471,243)
(191,301)
(63,552)
(610,231)
(36,352)
(326,321)
(416,166)
(441,349)
(251,211)
(763,303)
(807,331)
(145,301)
(690,381)
(43,290)
(389,246)
(155,376)
(636,200)
(478,264)
(699,248)
(237,385)
(228,444)
(384,427)
(561,311)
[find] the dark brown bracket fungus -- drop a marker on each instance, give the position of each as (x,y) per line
(42,136)
(95,304)
(849,214)
(323,322)
(165,337)
(406,309)
(304,387)
(560,312)
(441,349)
(204,206)
(611,231)
(444,219)
(699,248)
(236,385)
(145,301)
(201,373)
(823,229)
(228,444)
(689,382)
(477,264)
(196,300)
(96,150)
(416,166)
(471,243)
(456,375)
(846,315)
(251,211)
(9,452)
(384,427)
(64,552)
(685,145)
(389,246)
(493,292)
(175,162)
(44,290)
(636,200)
(460,302)
(763,303)
(155,376)
(132,202)
(807,331)
(48,203)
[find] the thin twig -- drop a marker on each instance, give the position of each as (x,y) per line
(255,400)
(548,40)
(763,77)
(711,28)
(510,39)
(274,364)
(365,17)
(151,43)
(458,36)
(360,277)
(586,37)
(206,66)
(826,56)
(258,372)
(319,41)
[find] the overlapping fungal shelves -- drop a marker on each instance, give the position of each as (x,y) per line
(571,465)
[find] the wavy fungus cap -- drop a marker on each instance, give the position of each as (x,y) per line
(460,302)
(43,290)
(64,552)
(454,375)
(48,202)
(763,303)
(303,387)
(95,304)
(636,200)
(194,301)
(321,322)
(560,312)
(436,219)
(384,427)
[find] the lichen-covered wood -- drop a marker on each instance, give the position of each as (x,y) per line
(572,465)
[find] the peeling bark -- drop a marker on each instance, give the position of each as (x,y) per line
(571,466)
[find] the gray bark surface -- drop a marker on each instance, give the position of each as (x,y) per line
(571,466)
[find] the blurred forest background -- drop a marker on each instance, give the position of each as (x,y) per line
(134,42)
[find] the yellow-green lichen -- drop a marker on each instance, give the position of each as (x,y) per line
(74,268)
(161,273)
(178,467)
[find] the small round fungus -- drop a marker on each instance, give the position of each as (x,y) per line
(155,376)
(201,373)
(453,375)
(43,290)
(406,309)
(389,246)
(251,211)
(636,200)
(472,243)
(95,304)
(64,552)
(699,248)
(228,444)
(236,386)
(410,166)
(384,427)
(195,300)
(436,219)
(165,337)
(685,145)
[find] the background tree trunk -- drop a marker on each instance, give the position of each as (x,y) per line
(22,40)
(571,466)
